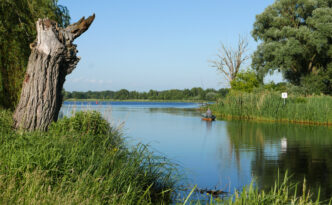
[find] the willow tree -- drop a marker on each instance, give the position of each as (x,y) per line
(296,39)
(52,58)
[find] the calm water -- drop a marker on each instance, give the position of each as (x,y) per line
(225,154)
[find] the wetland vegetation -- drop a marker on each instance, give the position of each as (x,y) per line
(269,106)
(83,159)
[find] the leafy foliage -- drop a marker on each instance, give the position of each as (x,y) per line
(296,38)
(245,81)
(17,31)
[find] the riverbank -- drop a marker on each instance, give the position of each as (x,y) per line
(270,106)
(79,160)
(84,160)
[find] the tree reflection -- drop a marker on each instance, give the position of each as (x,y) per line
(305,151)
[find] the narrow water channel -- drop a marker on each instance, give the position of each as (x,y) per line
(224,154)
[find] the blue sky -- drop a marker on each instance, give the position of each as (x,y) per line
(157,44)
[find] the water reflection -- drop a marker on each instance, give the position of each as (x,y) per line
(305,151)
(283,144)
(226,154)
(208,125)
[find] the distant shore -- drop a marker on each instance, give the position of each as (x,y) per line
(137,100)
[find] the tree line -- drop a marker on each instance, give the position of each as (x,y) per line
(196,93)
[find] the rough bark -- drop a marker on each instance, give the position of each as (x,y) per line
(52,58)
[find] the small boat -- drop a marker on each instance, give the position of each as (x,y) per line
(209,118)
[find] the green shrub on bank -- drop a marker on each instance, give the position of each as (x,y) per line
(270,106)
(88,122)
(245,81)
(80,160)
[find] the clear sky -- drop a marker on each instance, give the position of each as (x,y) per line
(157,44)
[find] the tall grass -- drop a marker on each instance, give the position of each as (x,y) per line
(270,106)
(80,160)
(282,193)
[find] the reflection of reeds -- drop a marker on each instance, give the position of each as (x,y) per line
(306,152)
(270,106)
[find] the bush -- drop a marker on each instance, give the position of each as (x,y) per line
(87,122)
(318,83)
(211,96)
(245,81)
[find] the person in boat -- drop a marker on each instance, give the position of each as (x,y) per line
(208,113)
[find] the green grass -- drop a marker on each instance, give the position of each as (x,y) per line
(282,193)
(79,160)
(84,160)
(269,106)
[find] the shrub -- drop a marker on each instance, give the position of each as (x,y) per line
(87,122)
(245,81)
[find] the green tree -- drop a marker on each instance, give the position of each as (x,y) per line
(245,81)
(296,39)
(122,94)
(17,31)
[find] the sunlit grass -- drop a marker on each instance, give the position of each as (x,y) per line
(282,193)
(270,106)
(80,160)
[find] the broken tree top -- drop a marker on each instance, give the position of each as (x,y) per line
(52,58)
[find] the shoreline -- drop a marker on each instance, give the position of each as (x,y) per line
(137,100)
(262,119)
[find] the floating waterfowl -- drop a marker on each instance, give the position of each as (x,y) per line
(214,193)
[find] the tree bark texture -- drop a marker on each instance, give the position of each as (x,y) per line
(52,58)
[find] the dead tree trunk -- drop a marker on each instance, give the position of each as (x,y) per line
(52,58)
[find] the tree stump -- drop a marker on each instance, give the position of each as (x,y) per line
(52,58)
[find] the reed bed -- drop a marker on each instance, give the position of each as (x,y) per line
(79,160)
(270,106)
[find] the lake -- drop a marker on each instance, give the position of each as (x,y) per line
(224,154)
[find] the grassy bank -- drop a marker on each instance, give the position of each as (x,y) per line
(80,160)
(270,106)
(83,160)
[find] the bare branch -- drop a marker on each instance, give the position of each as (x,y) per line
(80,26)
(229,61)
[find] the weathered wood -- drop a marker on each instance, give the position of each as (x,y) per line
(52,58)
